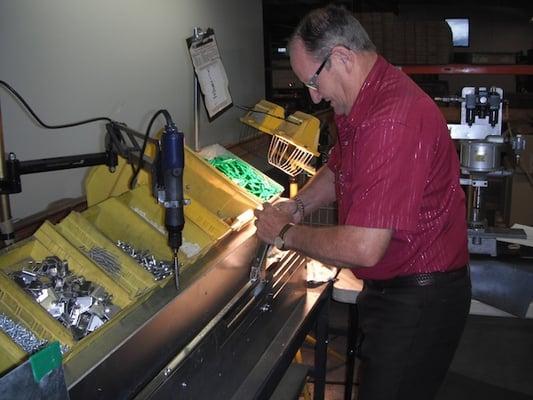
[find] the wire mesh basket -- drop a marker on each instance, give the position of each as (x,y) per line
(294,141)
(295,144)
(289,158)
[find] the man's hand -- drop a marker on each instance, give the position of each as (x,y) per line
(271,219)
(290,207)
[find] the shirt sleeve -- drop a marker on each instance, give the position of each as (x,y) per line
(389,173)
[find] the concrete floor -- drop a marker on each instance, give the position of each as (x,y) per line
(494,360)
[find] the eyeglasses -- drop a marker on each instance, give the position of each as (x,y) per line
(312,83)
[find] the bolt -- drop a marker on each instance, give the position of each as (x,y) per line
(265,307)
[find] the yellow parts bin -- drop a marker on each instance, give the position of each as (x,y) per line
(214,190)
(11,354)
(247,178)
(100,184)
(202,228)
(21,307)
(133,278)
(202,183)
(78,263)
(118,222)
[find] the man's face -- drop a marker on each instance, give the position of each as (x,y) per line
(328,87)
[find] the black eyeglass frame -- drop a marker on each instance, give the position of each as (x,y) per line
(312,83)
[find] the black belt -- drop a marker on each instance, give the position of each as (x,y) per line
(428,279)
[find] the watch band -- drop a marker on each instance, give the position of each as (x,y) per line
(282,233)
(300,207)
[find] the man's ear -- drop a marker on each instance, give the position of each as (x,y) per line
(344,56)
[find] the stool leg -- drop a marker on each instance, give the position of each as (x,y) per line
(350,350)
(298,358)
(321,349)
(310,340)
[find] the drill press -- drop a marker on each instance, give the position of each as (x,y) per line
(481,143)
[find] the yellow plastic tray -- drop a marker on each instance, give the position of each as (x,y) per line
(118,222)
(100,184)
(196,241)
(202,182)
(143,203)
(57,245)
(11,353)
(20,306)
(216,150)
(215,190)
(81,234)
(23,307)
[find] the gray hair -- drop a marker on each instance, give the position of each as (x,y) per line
(324,28)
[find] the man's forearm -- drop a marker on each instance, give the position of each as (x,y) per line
(343,246)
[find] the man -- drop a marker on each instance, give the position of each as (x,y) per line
(394,173)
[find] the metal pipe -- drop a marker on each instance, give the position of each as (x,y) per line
(196,116)
(64,162)
(6,224)
(197,34)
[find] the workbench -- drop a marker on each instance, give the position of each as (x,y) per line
(216,338)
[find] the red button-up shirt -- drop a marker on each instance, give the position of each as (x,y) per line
(396,167)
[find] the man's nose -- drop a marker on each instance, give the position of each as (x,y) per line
(315,96)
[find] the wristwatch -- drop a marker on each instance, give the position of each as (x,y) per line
(279,241)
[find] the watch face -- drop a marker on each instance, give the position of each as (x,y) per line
(279,242)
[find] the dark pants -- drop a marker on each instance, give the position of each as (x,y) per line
(408,337)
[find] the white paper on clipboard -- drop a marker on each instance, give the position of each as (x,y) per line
(211,73)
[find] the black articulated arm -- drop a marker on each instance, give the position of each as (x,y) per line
(167,170)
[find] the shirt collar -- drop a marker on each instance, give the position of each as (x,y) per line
(365,97)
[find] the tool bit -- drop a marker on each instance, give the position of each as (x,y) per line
(176,269)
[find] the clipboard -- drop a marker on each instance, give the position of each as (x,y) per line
(210,73)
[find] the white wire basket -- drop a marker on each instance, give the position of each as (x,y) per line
(294,141)
(289,158)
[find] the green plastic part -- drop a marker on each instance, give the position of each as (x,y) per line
(245,176)
(45,361)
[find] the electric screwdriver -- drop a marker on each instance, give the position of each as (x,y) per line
(169,171)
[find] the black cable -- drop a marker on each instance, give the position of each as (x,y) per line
(251,109)
(136,171)
(528,176)
(27,106)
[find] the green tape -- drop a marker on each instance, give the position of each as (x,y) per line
(245,176)
(45,361)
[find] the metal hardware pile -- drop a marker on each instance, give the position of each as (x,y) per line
(79,304)
(159,269)
(23,337)
(104,259)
